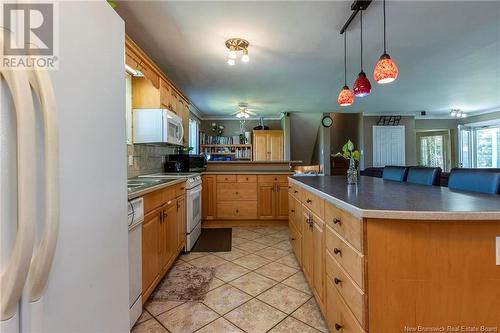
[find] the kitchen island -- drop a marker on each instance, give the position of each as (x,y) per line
(386,256)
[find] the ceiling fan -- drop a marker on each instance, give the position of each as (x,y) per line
(243,111)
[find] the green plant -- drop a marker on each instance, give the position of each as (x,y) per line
(348,151)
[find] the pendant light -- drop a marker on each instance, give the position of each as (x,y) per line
(385,70)
(346,97)
(362,86)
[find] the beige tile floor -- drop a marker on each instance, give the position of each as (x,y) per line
(258,287)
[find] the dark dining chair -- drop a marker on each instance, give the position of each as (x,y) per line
(423,175)
(476,180)
(396,173)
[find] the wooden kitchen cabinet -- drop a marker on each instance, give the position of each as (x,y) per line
(181,222)
(151,230)
(266,205)
(208,197)
(307,246)
(155,90)
(163,234)
(318,254)
(272,197)
(268,145)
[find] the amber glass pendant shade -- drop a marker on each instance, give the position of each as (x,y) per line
(346,97)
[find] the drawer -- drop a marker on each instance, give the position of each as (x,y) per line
(346,225)
(347,256)
(273,178)
(314,203)
(296,241)
(338,315)
(297,192)
(157,198)
(351,294)
(180,189)
(236,191)
(246,178)
(242,210)
(226,178)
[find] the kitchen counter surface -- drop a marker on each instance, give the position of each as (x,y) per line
(151,186)
(253,162)
(378,198)
(247,172)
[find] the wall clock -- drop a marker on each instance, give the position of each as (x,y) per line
(327,121)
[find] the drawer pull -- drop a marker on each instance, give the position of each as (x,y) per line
(337,221)
(236,193)
(337,251)
(337,281)
(293,211)
(295,191)
(309,201)
(292,238)
(246,178)
(338,327)
(289,187)
(237,211)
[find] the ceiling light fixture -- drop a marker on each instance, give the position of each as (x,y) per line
(385,70)
(457,113)
(362,86)
(346,97)
(234,45)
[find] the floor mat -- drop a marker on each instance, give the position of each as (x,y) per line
(184,283)
(214,240)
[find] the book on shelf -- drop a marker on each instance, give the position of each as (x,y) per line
(207,139)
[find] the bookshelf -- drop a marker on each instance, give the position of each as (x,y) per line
(239,151)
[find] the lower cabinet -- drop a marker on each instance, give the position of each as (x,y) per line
(208,197)
(333,267)
(307,245)
(273,201)
(163,235)
(151,229)
(181,222)
(319,259)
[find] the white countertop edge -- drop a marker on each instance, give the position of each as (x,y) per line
(147,190)
(399,214)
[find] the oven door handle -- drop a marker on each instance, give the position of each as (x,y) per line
(194,190)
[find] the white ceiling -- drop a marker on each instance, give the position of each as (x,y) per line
(448,54)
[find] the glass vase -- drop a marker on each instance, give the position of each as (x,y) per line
(352,173)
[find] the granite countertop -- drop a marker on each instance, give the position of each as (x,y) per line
(158,184)
(378,198)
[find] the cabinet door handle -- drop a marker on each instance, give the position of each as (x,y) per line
(337,251)
(289,187)
(338,327)
(337,281)
(165,215)
(161,217)
(237,211)
(247,178)
(337,221)
(293,211)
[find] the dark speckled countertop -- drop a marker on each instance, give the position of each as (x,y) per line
(378,198)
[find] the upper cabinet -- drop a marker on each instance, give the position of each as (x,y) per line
(154,90)
(268,145)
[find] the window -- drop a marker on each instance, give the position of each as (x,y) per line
(433,149)
(193,135)
(480,147)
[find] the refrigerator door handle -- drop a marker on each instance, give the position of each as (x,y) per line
(13,275)
(44,254)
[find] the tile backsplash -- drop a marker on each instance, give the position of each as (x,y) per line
(147,158)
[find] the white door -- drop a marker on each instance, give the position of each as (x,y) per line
(388,145)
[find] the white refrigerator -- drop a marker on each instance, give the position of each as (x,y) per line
(63,176)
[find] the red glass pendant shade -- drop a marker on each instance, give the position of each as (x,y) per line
(346,97)
(385,70)
(362,86)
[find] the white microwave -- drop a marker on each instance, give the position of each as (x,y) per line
(157,126)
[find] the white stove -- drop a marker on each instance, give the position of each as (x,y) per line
(193,203)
